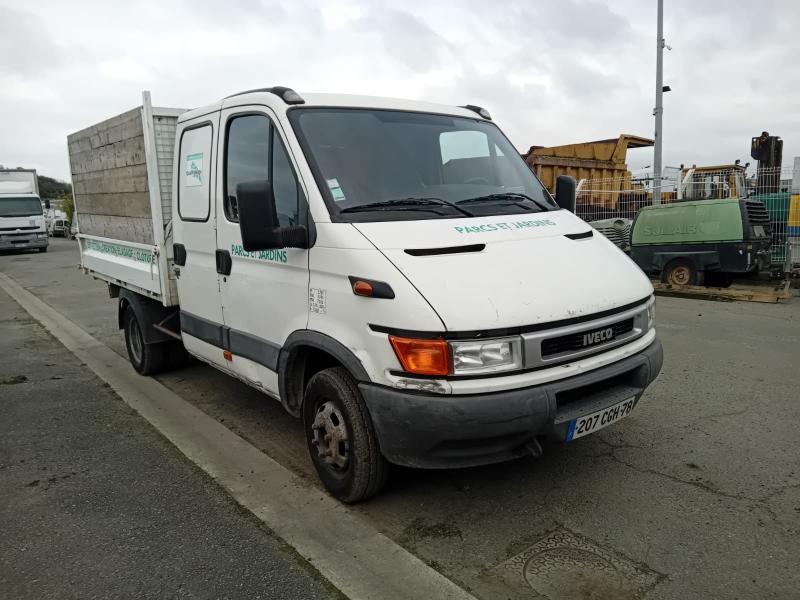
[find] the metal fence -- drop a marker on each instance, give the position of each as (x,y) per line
(612,204)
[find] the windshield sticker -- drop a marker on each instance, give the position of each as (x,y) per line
(194,170)
(504,226)
(336,189)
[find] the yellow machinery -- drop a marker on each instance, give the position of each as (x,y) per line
(705,183)
(599,160)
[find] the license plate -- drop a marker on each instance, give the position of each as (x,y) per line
(598,420)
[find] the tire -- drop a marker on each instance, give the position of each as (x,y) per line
(354,469)
(43,249)
(680,272)
(147,359)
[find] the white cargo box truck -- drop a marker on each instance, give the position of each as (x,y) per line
(390,271)
(22,221)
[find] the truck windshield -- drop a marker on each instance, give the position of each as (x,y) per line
(20,207)
(380,165)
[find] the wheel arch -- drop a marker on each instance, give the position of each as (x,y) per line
(305,353)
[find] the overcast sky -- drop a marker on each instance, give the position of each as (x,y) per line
(550,71)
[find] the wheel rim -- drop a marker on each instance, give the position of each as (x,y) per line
(135,341)
(680,275)
(330,437)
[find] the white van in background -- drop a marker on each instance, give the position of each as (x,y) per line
(390,271)
(22,222)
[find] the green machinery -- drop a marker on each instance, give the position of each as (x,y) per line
(702,241)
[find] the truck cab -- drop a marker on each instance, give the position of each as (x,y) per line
(22,221)
(390,271)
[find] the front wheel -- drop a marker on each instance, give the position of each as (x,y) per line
(341,438)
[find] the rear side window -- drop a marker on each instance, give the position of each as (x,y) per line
(255,151)
(193,179)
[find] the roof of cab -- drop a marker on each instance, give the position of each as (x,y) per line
(270,99)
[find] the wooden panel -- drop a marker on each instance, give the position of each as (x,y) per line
(133,204)
(109,177)
(132,229)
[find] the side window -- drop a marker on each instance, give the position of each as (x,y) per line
(246,158)
(255,151)
(193,180)
(284,184)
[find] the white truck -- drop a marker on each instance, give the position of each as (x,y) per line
(390,271)
(22,222)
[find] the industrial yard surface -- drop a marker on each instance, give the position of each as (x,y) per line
(696,494)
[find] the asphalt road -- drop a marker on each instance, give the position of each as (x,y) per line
(94,503)
(695,495)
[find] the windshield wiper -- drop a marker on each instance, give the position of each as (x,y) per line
(411,203)
(509,197)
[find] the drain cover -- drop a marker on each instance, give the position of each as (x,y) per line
(565,565)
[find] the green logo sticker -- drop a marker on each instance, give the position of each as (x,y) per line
(270,255)
(504,226)
(194,170)
(137,254)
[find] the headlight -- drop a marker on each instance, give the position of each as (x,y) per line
(651,314)
(486,356)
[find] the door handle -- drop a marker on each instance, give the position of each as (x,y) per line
(179,254)
(224,262)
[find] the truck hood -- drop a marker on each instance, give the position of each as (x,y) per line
(510,270)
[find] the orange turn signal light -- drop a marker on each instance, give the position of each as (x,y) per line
(362,288)
(423,357)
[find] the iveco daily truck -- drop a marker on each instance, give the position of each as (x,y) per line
(22,222)
(390,271)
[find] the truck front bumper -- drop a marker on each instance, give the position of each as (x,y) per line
(444,431)
(22,241)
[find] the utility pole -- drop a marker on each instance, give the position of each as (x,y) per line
(659,109)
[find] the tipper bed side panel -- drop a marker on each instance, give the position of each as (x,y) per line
(109,177)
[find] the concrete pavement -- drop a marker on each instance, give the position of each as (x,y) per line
(695,495)
(94,503)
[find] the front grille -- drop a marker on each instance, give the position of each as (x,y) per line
(756,212)
(17,234)
(574,342)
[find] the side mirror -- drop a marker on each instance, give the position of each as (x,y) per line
(47,203)
(565,192)
(258,219)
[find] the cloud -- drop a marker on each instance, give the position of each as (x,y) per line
(25,48)
(550,71)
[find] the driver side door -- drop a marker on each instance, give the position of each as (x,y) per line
(265,293)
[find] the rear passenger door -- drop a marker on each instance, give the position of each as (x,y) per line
(265,294)
(194,231)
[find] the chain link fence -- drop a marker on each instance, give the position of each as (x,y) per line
(612,204)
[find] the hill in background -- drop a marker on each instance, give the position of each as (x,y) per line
(53,188)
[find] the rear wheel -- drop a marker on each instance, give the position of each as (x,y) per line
(341,438)
(680,272)
(147,359)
